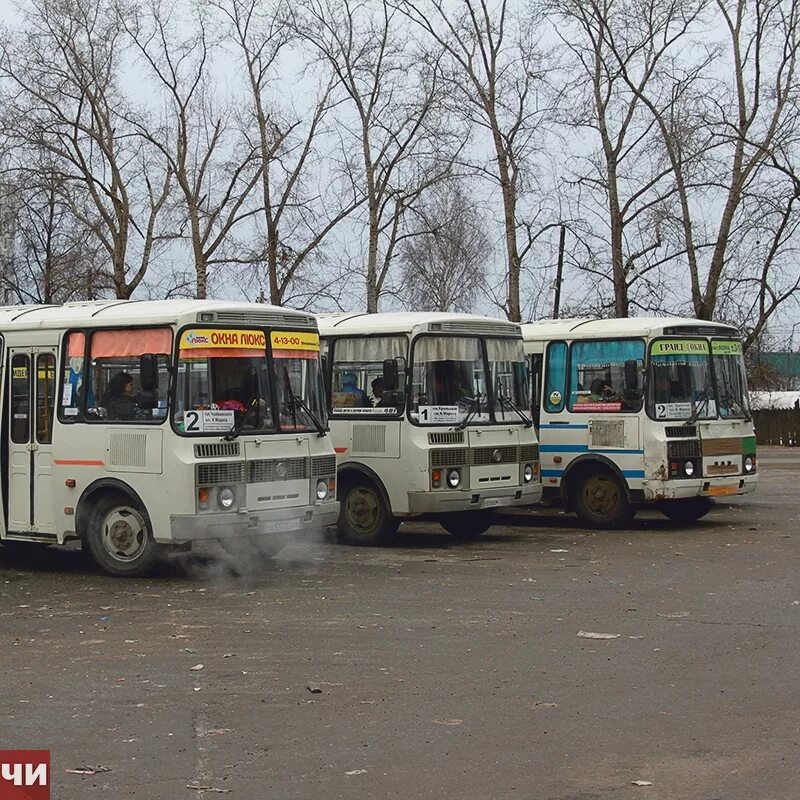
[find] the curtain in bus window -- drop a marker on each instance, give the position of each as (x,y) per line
(556,378)
(606,375)
(73,376)
(45,397)
(131,342)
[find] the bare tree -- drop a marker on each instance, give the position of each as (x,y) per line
(60,76)
(216,167)
(628,177)
(53,257)
(444,263)
(744,111)
(298,213)
(496,81)
(394,103)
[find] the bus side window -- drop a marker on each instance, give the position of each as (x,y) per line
(73,377)
(555,385)
(535,366)
(45,397)
(20,399)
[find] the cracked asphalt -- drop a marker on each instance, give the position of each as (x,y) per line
(431,669)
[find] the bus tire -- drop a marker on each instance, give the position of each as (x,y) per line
(466,524)
(686,510)
(600,499)
(365,518)
(120,537)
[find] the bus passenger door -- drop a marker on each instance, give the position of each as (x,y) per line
(32,381)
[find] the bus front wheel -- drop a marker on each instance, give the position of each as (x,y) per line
(364,518)
(467,524)
(687,510)
(120,538)
(600,500)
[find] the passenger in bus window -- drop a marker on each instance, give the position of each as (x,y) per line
(377,386)
(118,399)
(350,386)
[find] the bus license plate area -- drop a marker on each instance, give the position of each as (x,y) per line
(721,491)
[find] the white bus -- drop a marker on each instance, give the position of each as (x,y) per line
(429,416)
(137,425)
(637,411)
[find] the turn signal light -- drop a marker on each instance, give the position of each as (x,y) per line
(436,478)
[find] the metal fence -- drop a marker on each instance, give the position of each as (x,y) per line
(779,426)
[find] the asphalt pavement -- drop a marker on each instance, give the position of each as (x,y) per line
(435,668)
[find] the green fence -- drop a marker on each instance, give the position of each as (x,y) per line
(779,426)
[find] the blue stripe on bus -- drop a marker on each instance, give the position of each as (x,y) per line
(559,473)
(574,425)
(584,448)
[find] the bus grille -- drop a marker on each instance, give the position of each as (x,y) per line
(722,447)
(450,457)
(322,466)
(216,450)
(681,431)
(529,452)
(215,474)
(289,469)
(481,456)
(446,437)
(689,448)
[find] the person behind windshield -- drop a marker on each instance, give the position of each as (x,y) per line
(350,386)
(118,399)
(378,387)
(602,392)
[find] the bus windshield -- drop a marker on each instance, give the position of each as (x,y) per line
(681,385)
(448,381)
(223,382)
(509,372)
(729,371)
(300,387)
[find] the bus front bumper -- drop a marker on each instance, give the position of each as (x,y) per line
(440,502)
(728,486)
(196,527)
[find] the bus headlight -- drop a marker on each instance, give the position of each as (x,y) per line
(454,479)
(226,497)
(688,469)
(322,490)
(527,473)
(749,464)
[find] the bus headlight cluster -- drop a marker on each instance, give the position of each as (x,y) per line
(322,490)
(454,478)
(527,473)
(449,477)
(688,469)
(749,464)
(226,498)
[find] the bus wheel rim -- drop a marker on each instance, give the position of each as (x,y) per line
(601,496)
(363,510)
(124,534)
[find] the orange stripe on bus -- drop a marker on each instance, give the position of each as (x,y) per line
(70,462)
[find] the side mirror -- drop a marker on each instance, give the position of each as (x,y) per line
(393,399)
(148,372)
(390,375)
(632,375)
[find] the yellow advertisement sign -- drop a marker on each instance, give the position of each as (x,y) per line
(295,340)
(679,347)
(211,338)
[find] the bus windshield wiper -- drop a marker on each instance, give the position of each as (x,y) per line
(236,430)
(475,408)
(507,401)
(300,403)
(695,415)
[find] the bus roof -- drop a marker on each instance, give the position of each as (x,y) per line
(589,328)
(360,323)
(102,313)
